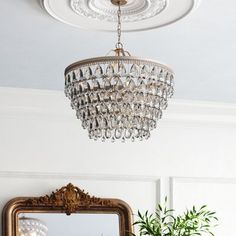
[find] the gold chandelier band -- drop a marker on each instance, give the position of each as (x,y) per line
(115,59)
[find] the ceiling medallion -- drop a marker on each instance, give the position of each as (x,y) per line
(137,15)
(134,10)
(118,97)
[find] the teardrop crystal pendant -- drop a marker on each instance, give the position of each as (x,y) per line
(110,70)
(134,71)
(121,69)
(98,71)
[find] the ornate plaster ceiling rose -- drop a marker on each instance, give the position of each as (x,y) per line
(101,15)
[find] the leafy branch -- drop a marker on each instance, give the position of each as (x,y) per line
(162,222)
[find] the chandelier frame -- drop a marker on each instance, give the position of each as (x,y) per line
(115,59)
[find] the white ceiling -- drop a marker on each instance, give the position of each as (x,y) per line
(201,48)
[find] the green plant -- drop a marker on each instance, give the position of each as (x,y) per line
(163,223)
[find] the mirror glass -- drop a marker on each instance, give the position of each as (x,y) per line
(79,224)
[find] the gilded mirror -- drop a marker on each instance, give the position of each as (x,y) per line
(68,211)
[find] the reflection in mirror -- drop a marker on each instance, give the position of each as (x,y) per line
(31,227)
(79,224)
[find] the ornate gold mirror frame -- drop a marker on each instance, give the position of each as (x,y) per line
(69,199)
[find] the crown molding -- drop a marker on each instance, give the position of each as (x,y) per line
(78,176)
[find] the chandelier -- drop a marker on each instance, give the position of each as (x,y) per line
(118,97)
(31,227)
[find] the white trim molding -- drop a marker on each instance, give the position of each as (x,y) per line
(193,180)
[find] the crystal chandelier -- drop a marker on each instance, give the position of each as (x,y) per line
(31,227)
(118,97)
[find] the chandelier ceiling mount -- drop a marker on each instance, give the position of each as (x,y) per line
(119,2)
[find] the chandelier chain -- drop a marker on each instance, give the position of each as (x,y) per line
(119,44)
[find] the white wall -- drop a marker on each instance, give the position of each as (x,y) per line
(219,194)
(43,147)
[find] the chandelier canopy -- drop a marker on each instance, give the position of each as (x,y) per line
(119,97)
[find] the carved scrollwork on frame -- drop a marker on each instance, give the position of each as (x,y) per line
(69,198)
